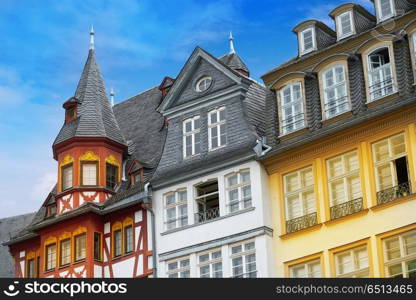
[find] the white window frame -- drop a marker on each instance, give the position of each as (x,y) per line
(217,125)
(194,131)
(381,18)
(354,260)
(179,270)
(300,191)
(380,70)
(338,98)
(177,204)
(344,176)
(210,263)
(340,33)
(293,102)
(403,259)
(304,51)
(198,87)
(240,203)
(306,266)
(244,254)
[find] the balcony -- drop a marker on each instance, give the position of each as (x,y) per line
(207,215)
(346,208)
(391,194)
(301,222)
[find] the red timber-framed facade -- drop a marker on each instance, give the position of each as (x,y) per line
(95,222)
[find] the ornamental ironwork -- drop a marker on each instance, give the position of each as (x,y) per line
(207,215)
(346,208)
(301,222)
(393,193)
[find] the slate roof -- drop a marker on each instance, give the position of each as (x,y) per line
(94,111)
(233,61)
(9,227)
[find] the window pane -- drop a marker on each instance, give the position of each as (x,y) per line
(411,269)
(66,177)
(410,243)
(294,207)
(396,271)
(292,182)
(315,270)
(170,199)
(299,272)
(385,8)
(80,244)
(204,258)
(393,248)
(128,239)
(213,117)
(398,145)
(237,249)
(117,243)
(381,150)
(232,180)
(385,178)
(182,196)
(361,257)
(222,115)
(89,174)
(97,246)
(245,176)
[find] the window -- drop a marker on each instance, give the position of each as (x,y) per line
(176,210)
(210,264)
(97,246)
(65,252)
(300,199)
(80,247)
(345,25)
(67,177)
(335,91)
(352,263)
(243,260)
(30,271)
(179,269)
(344,185)
(128,239)
(380,74)
(238,189)
(203,84)
(137,178)
(37,274)
(111,176)
(390,162)
(191,137)
(89,174)
(293,117)
(51,210)
(306,270)
(217,130)
(71,113)
(385,9)
(117,243)
(400,255)
(208,201)
(307,41)
(50,262)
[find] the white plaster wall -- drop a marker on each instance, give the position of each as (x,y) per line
(124,269)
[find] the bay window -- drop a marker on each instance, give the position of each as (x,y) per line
(89,173)
(310,269)
(299,200)
(344,185)
(67,174)
(80,251)
(243,260)
(176,210)
(352,263)
(210,264)
(238,189)
(400,255)
(345,25)
(191,137)
(217,130)
(179,269)
(390,168)
(335,91)
(380,74)
(292,115)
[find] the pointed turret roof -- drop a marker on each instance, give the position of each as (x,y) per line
(95,116)
(232,60)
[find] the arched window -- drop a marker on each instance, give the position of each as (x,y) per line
(293,117)
(380,74)
(335,91)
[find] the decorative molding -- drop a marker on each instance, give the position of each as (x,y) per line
(89,156)
(67,160)
(79,230)
(112,160)
(50,240)
(65,235)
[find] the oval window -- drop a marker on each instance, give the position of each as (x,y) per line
(203,84)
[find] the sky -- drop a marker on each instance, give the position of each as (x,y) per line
(44,45)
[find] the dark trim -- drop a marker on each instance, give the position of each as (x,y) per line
(97,173)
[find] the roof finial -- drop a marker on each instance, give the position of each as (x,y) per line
(231,38)
(92,38)
(112,96)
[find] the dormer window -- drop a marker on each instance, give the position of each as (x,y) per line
(307,41)
(345,25)
(292,114)
(51,210)
(385,9)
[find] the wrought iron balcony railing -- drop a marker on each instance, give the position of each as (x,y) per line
(301,222)
(207,215)
(398,191)
(293,123)
(346,208)
(337,106)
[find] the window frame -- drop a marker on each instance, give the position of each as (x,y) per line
(113,242)
(244,254)
(76,245)
(179,270)
(53,257)
(218,124)
(126,243)
(191,133)
(28,269)
(100,246)
(306,265)
(381,18)
(117,170)
(301,101)
(177,205)
(340,34)
(240,202)
(352,252)
(210,263)
(63,169)
(198,83)
(66,240)
(89,162)
(304,51)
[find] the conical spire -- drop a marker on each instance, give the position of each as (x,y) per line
(231,38)
(232,60)
(92,38)
(95,113)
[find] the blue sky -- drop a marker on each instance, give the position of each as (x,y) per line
(44,45)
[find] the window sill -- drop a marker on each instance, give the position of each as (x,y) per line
(64,266)
(190,157)
(79,261)
(293,134)
(382,100)
(122,256)
(344,218)
(302,231)
(210,221)
(393,202)
(215,149)
(336,118)
(49,271)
